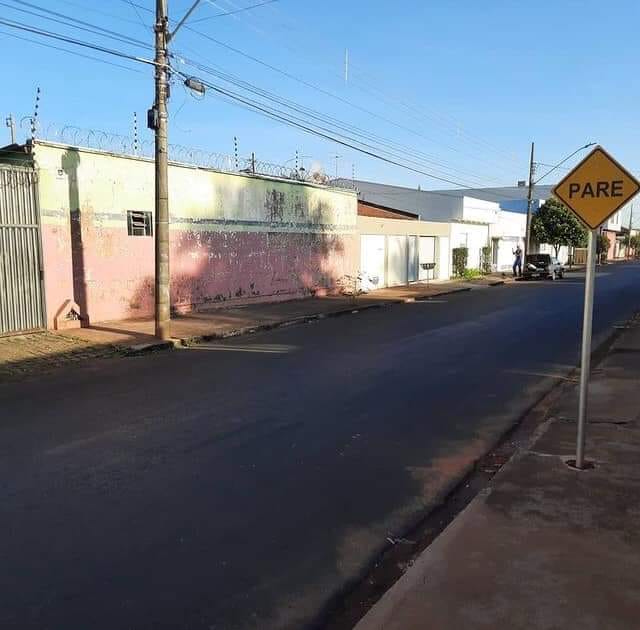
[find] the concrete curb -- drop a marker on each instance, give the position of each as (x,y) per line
(185,342)
(302,319)
(426,298)
(148,348)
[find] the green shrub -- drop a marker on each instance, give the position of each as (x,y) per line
(486,259)
(460,256)
(470,274)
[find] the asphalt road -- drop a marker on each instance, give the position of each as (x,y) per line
(242,484)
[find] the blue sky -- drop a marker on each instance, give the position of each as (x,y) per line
(461,88)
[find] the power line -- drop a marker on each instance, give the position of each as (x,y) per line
(234,99)
(562,168)
(105,50)
(419,112)
(133,6)
(390,98)
(72,22)
(306,83)
(105,13)
(240,10)
(71,52)
(389,144)
(324,91)
(77,42)
(309,84)
(139,6)
(306,110)
(275,114)
(338,138)
(319,131)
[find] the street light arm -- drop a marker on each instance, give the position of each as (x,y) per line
(559,164)
(170,36)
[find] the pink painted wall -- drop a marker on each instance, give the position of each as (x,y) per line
(206,269)
(58,282)
(611,252)
(112,282)
(210,267)
(115,273)
(237,240)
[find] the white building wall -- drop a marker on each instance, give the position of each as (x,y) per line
(444,258)
(563,252)
(412,258)
(614,223)
(427,253)
(505,256)
(373,259)
(397,260)
(390,230)
(480,211)
(507,234)
(509,224)
(484,221)
(472,236)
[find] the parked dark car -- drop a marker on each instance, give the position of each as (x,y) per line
(542,266)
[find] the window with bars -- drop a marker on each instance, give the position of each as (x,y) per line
(139,223)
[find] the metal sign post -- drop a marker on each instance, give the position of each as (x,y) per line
(585,360)
(594,190)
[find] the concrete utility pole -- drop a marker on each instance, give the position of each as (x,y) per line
(11,123)
(527,239)
(162,298)
(157,120)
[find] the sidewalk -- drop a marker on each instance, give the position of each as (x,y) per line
(24,354)
(545,546)
(227,322)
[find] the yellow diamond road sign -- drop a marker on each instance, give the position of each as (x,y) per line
(596,188)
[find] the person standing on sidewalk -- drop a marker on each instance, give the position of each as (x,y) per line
(517,263)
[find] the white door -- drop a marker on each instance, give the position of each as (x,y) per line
(427,254)
(397,260)
(444,258)
(412,272)
(372,255)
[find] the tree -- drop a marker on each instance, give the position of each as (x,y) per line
(555,224)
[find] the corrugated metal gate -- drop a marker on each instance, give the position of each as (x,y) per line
(21,295)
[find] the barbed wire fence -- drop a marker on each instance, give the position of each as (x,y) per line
(144,147)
